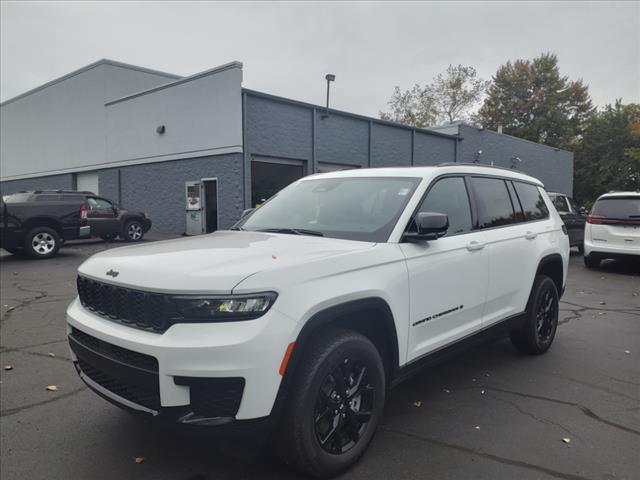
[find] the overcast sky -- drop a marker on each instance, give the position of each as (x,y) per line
(288,47)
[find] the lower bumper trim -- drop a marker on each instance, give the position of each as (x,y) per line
(112,396)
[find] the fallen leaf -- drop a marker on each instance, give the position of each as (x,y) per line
(487,375)
(481,392)
(8,367)
(626,351)
(51,354)
(477,427)
(52,388)
(417,403)
(603,303)
(447,391)
(139,459)
(566,440)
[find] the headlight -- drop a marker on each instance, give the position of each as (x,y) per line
(227,308)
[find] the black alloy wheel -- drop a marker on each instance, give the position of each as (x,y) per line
(334,404)
(540,318)
(344,407)
(546,316)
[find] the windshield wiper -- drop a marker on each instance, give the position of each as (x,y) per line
(293,231)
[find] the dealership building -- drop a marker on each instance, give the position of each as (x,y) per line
(195,151)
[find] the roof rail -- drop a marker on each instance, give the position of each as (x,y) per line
(484,165)
(58,191)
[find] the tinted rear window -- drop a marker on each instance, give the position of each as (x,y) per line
(493,202)
(532,202)
(619,207)
(47,198)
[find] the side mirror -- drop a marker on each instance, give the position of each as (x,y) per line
(430,226)
(583,211)
(246,212)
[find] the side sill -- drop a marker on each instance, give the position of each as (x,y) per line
(443,353)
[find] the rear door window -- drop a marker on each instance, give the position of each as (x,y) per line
(560,202)
(47,198)
(493,202)
(532,202)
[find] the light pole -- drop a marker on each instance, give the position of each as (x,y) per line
(330,78)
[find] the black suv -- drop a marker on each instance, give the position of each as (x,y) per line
(572,216)
(37,228)
(106,220)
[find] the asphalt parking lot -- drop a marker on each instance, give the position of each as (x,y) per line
(489,414)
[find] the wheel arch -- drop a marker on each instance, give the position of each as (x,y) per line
(372,317)
(41,221)
(553,267)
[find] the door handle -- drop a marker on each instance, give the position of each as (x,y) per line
(473,245)
(530,235)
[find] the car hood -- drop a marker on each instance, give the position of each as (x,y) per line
(212,263)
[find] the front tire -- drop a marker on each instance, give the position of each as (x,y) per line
(42,242)
(539,330)
(335,404)
(133,231)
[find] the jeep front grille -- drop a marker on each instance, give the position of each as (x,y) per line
(150,311)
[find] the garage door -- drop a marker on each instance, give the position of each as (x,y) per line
(270,175)
(87,182)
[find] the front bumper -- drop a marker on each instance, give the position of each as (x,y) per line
(207,374)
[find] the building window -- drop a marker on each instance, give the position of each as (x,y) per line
(269,176)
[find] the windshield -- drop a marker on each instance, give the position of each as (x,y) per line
(353,208)
(617,207)
(17,198)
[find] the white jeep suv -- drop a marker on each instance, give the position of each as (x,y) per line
(316,303)
(612,229)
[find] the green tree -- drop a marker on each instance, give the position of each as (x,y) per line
(451,96)
(531,100)
(608,155)
(413,107)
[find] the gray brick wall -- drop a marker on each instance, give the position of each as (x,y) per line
(553,166)
(430,150)
(159,188)
(278,130)
(341,139)
(390,146)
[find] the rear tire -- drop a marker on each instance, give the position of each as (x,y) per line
(42,242)
(133,231)
(591,262)
(334,405)
(541,318)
